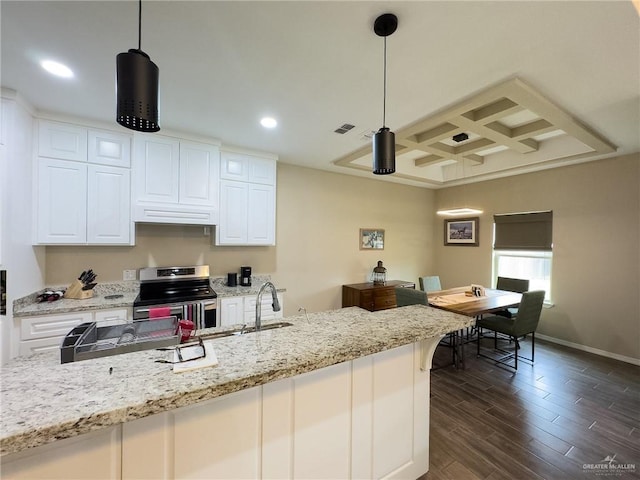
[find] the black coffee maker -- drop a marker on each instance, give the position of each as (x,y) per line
(245,276)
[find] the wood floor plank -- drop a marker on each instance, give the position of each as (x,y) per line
(548,420)
(457,471)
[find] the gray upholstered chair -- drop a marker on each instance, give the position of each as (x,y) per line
(409,296)
(518,285)
(430,283)
(524,324)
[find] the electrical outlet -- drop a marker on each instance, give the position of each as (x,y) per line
(128,274)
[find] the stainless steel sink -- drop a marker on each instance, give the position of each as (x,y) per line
(244,330)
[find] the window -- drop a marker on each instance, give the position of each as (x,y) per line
(523,249)
(531,265)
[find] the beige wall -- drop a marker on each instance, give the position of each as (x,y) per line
(596,267)
(319,215)
(596,247)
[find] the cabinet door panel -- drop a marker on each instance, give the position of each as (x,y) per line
(262,170)
(234,166)
(234,209)
(40,345)
(95,455)
(231,311)
(261,215)
(393,390)
(109,148)
(62,202)
(201,451)
(62,140)
(156,169)
(199,165)
(109,214)
(111,317)
(51,325)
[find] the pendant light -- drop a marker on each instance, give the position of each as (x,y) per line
(384,140)
(137,87)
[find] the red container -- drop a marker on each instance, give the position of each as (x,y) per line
(186,327)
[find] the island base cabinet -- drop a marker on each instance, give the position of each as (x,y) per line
(366,418)
(95,455)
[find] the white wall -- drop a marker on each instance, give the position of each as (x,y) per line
(23,262)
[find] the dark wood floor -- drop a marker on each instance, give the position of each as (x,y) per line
(562,418)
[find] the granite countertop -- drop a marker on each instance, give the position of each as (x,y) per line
(43,400)
(28,306)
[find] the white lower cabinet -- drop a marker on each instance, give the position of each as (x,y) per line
(46,332)
(95,455)
(231,311)
(242,310)
(367,418)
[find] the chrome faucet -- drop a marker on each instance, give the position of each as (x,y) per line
(275,304)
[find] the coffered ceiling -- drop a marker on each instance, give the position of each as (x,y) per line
(503,128)
(533,84)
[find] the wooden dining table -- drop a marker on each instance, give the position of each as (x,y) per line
(458,301)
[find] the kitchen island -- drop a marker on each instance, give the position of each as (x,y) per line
(343,393)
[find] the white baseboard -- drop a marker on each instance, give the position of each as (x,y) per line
(584,348)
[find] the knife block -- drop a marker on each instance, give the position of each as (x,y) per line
(75,291)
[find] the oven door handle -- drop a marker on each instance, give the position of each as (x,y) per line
(147,310)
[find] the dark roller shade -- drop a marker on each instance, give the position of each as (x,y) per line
(524,231)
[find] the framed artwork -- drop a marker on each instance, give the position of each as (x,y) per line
(371,239)
(461,231)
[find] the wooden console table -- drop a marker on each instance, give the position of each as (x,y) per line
(372,297)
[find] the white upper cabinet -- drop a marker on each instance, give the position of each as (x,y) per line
(84,187)
(175,181)
(247,200)
(62,202)
(156,166)
(108,201)
(198,174)
(109,148)
(247,168)
(62,140)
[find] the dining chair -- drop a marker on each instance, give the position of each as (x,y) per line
(517,285)
(524,324)
(409,296)
(430,283)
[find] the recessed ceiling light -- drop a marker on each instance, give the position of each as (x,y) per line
(269,122)
(56,68)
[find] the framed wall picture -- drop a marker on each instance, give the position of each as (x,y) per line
(371,239)
(461,231)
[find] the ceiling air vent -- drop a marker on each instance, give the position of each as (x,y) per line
(461,137)
(344,128)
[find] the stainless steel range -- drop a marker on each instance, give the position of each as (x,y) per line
(183,292)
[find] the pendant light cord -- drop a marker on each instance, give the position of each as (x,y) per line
(384,85)
(140,25)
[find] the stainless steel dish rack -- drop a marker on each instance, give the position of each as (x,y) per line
(88,340)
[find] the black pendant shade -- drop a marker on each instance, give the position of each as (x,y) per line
(137,91)
(137,87)
(384,152)
(384,140)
